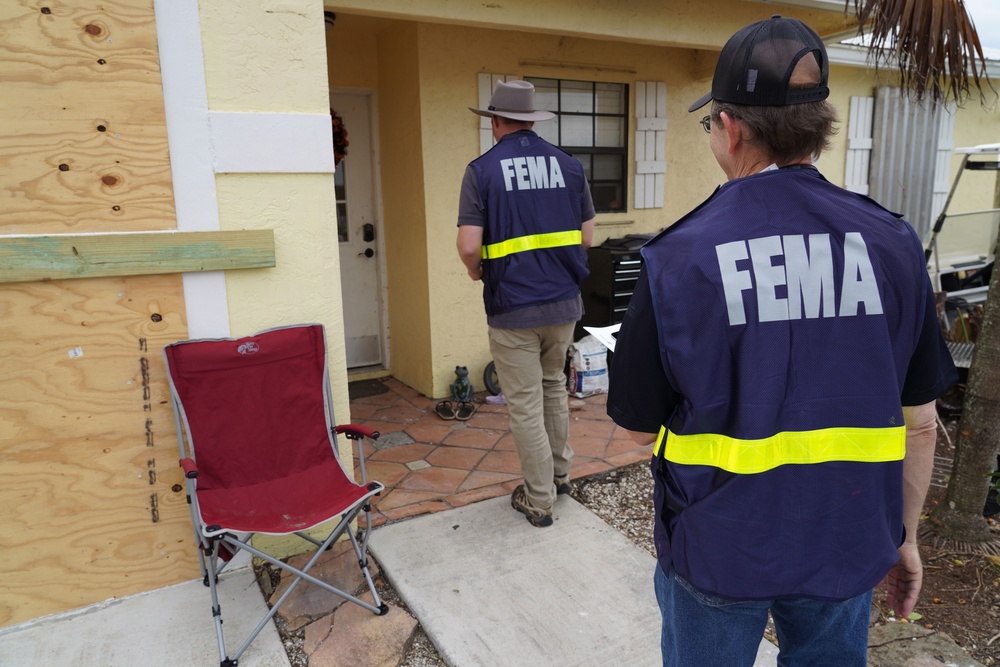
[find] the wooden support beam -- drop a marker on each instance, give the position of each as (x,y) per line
(63,256)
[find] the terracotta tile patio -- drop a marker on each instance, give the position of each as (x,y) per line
(429,464)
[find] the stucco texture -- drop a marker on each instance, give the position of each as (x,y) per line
(271,57)
(428,57)
(265,56)
(661,22)
(304,284)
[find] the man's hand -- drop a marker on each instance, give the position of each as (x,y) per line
(904,580)
(476,273)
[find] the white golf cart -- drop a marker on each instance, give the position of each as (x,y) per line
(960,254)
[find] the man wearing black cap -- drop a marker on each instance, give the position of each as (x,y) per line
(792,408)
(525,218)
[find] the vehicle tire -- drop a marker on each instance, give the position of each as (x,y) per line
(490,379)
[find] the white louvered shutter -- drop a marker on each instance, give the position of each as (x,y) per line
(650,143)
(859,144)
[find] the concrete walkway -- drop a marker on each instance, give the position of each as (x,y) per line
(487,587)
(490,589)
(170,627)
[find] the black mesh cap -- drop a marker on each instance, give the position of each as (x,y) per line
(756,63)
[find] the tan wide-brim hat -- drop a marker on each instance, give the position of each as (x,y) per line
(514,100)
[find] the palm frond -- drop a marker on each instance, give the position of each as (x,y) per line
(933,44)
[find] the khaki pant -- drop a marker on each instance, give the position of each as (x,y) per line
(530,366)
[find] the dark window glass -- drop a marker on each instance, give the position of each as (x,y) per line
(591,123)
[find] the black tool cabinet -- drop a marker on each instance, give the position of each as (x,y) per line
(606,292)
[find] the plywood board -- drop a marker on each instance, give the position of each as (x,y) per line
(83,145)
(93,498)
(93,502)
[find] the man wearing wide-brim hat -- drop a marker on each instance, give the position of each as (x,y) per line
(525,220)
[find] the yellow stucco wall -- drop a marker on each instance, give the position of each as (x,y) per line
(401,88)
(449,86)
(264,56)
(271,57)
(352,51)
(450,59)
(663,22)
(426,77)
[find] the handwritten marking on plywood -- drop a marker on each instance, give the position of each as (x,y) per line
(83,145)
(93,497)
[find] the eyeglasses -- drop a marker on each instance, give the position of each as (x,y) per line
(706,123)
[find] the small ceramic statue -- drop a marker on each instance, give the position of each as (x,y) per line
(461,388)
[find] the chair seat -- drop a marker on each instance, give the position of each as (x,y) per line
(281,506)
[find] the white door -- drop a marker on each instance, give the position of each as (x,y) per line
(359,231)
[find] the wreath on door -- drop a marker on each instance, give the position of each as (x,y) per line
(340,142)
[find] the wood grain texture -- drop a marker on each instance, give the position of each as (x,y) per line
(31,258)
(89,482)
(83,145)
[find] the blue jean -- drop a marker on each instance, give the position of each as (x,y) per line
(701,629)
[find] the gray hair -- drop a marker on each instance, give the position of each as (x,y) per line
(785,134)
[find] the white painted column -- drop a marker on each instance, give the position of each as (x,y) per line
(182,67)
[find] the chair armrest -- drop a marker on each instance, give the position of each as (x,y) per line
(356,431)
(190,468)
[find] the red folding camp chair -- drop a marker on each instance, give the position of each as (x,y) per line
(260,454)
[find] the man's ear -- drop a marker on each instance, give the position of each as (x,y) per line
(733,130)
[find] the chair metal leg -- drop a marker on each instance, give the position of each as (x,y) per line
(303,575)
(363,563)
(217,610)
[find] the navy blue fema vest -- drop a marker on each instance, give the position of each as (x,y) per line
(789,347)
(532,252)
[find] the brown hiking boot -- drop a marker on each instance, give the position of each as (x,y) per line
(562,488)
(536,517)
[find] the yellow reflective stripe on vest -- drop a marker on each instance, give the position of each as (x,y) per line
(868,445)
(532,242)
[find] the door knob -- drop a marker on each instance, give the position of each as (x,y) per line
(367,253)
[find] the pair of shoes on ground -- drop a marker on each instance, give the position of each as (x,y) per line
(446,410)
(535,516)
